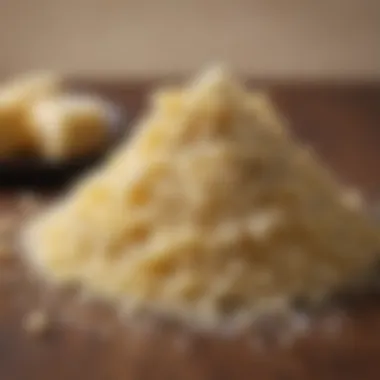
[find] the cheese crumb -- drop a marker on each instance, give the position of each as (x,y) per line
(211,211)
(36,323)
(352,199)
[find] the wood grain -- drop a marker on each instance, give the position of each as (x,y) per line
(89,341)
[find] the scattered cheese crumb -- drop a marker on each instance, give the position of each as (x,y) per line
(352,199)
(36,323)
(210,211)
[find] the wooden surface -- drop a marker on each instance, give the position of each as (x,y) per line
(91,342)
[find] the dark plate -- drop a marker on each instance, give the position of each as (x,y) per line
(37,172)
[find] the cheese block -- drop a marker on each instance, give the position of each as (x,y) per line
(16,96)
(69,126)
(212,211)
(14,137)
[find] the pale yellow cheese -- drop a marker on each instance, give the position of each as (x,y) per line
(16,96)
(209,211)
(259,103)
(14,137)
(69,126)
(27,88)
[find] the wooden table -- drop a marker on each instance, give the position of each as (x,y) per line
(91,342)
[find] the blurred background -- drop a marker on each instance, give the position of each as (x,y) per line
(334,39)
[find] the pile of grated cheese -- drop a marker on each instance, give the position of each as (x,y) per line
(211,210)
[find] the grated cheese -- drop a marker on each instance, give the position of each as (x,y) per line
(211,211)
